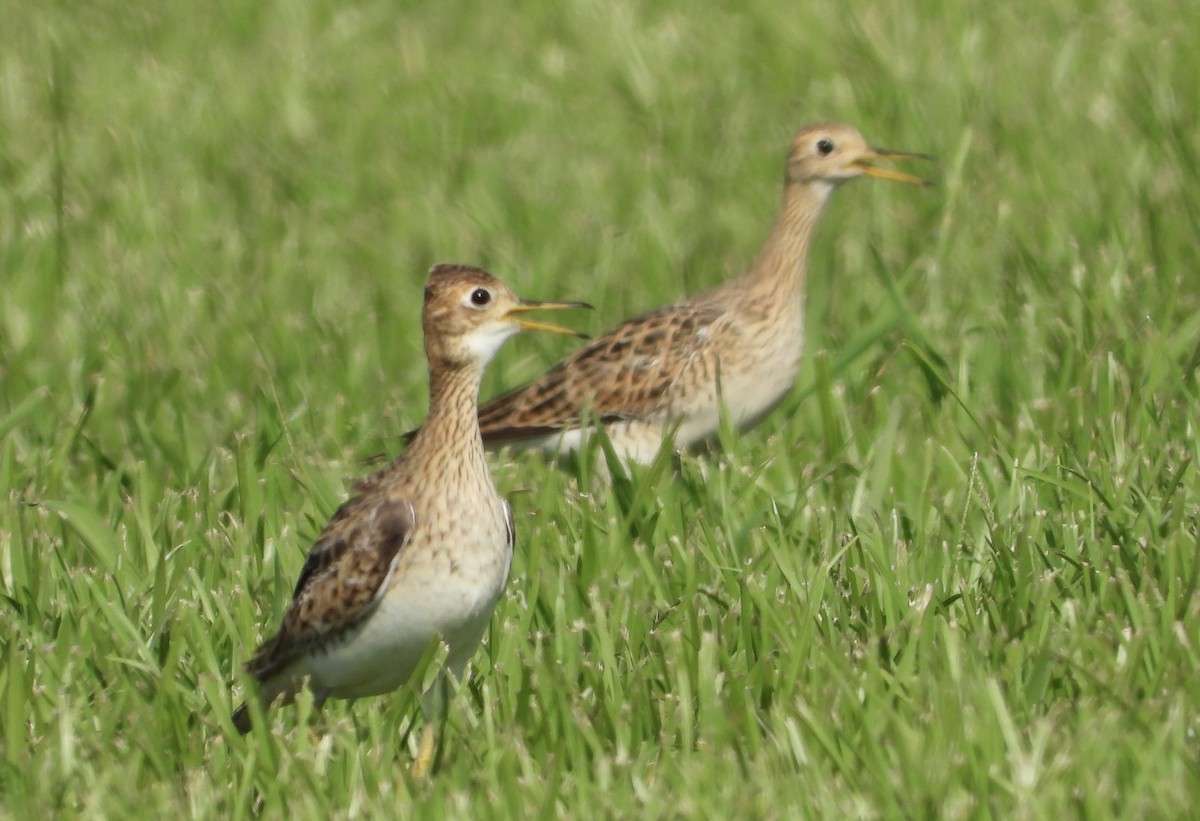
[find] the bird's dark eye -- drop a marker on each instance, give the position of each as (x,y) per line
(825,146)
(480,297)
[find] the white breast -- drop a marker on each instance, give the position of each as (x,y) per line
(433,595)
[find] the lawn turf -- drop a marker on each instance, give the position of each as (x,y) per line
(954,575)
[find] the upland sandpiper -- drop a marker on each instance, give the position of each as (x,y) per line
(737,345)
(422,550)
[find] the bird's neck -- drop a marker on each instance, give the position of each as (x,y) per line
(452,426)
(777,275)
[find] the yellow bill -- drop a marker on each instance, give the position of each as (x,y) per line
(864,165)
(532,305)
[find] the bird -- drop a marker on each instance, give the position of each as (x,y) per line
(422,550)
(668,373)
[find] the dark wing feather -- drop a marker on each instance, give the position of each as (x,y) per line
(347,570)
(332,544)
(510,527)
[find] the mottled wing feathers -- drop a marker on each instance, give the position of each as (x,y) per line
(333,543)
(628,372)
(347,570)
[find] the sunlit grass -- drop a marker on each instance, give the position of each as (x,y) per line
(954,575)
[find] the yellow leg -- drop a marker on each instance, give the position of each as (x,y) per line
(425,750)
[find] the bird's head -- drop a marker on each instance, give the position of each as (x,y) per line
(469,314)
(834,153)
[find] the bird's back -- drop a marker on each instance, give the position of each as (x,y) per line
(639,370)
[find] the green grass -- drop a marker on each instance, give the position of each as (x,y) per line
(954,575)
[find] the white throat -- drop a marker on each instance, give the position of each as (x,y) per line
(485,341)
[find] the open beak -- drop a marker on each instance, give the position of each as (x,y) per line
(526,305)
(864,165)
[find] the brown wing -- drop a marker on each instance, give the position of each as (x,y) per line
(626,373)
(347,570)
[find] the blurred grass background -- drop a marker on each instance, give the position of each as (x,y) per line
(954,575)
